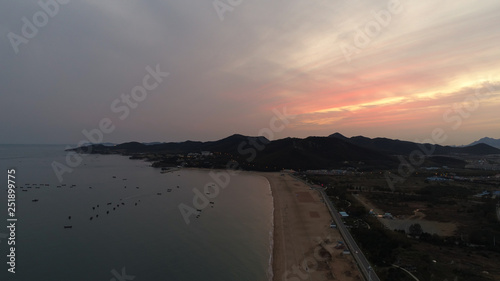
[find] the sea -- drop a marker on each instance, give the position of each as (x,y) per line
(126,222)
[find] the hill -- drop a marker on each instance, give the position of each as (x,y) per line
(259,153)
(489,141)
(399,147)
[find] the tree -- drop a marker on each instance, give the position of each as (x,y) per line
(415,229)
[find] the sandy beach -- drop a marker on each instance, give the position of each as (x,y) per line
(303,240)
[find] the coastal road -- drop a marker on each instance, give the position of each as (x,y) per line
(360,258)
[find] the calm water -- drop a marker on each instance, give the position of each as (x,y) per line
(145,233)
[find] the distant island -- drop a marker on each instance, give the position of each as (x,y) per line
(260,154)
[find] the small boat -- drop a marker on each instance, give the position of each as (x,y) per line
(169,190)
(158,193)
(35,200)
(68,226)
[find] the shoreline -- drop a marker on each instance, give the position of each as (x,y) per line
(300,220)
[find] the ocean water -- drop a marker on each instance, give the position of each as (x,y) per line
(125,223)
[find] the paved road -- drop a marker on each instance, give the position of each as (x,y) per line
(360,258)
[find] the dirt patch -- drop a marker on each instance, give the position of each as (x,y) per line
(432,227)
(304,197)
(314,214)
(404,222)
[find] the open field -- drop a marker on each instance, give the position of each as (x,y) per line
(404,222)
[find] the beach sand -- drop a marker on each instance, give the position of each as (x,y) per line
(301,222)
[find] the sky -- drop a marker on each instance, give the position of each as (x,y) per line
(156,70)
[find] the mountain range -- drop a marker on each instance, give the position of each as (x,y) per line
(334,151)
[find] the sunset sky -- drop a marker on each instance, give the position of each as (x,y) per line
(396,69)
